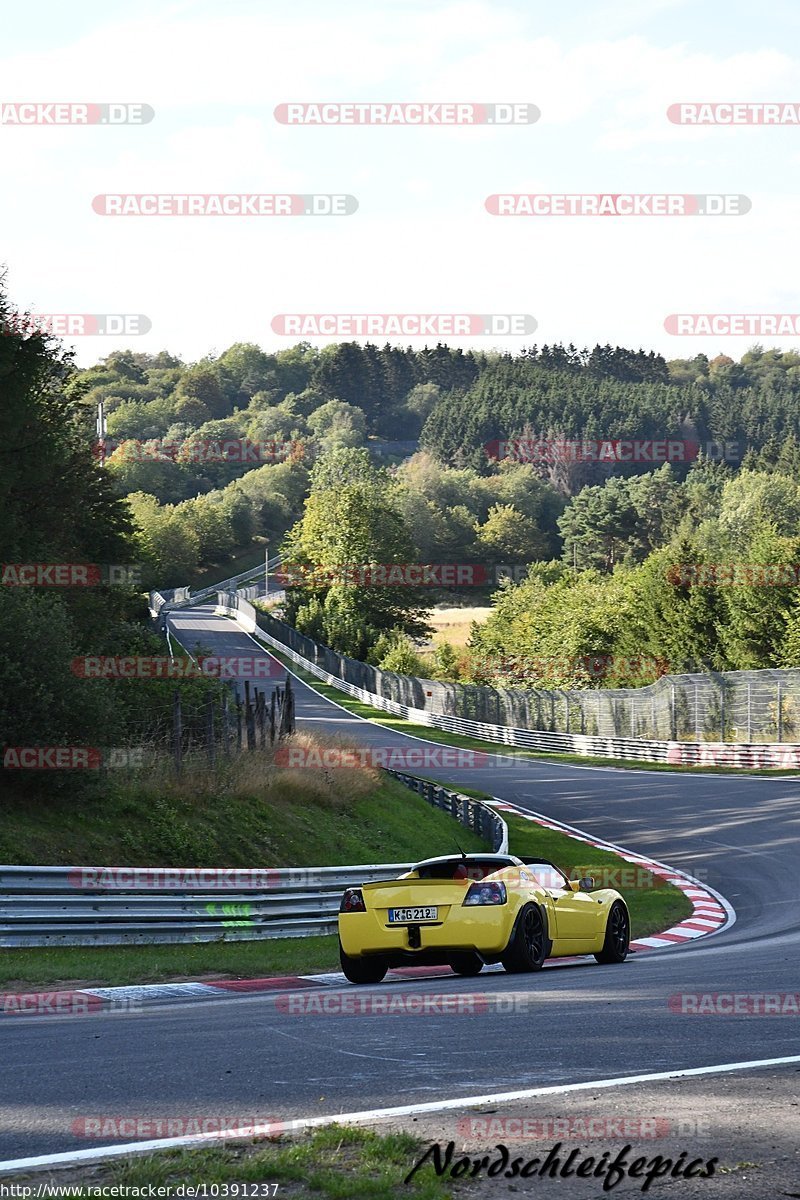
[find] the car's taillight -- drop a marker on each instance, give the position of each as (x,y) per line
(353,901)
(486,893)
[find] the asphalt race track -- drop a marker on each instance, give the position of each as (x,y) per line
(577,1023)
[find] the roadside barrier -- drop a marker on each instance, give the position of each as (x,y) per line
(106,906)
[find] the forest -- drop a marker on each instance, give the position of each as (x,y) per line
(363,454)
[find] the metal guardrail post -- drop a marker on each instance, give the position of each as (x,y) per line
(779,717)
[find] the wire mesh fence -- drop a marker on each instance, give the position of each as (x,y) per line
(732,706)
(185,729)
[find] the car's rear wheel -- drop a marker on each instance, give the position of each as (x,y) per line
(467,963)
(362,970)
(527,949)
(618,935)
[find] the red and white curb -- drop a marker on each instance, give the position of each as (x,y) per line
(711,912)
(92,1000)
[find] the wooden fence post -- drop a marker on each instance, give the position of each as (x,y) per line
(177,730)
(226,731)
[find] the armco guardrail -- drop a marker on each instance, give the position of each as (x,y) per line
(97,906)
(228,585)
(183,598)
(480,818)
(742,707)
(729,754)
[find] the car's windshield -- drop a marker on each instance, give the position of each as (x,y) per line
(546,875)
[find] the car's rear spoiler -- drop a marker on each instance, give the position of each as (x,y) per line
(404,881)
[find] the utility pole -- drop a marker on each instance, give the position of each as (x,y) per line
(102,431)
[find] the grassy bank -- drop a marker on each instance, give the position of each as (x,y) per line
(247,814)
(242,559)
(653,907)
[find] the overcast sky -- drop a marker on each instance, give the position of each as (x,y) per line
(602,74)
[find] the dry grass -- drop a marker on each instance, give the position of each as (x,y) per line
(261,776)
(250,810)
(454,624)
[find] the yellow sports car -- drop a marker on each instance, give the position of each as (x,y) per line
(469,909)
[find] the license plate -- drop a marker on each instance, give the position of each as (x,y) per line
(404,915)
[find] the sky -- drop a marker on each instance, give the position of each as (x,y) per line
(602,73)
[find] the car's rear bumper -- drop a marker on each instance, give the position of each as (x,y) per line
(483,930)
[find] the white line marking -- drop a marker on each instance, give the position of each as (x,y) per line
(102,1153)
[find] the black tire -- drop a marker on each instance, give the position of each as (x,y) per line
(467,963)
(618,935)
(527,948)
(362,970)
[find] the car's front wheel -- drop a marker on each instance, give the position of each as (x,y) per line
(467,963)
(618,935)
(527,948)
(362,970)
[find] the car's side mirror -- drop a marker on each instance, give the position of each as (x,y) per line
(587,884)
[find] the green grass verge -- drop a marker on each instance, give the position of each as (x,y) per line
(285,822)
(68,967)
(653,906)
(245,817)
(335,1163)
(401,725)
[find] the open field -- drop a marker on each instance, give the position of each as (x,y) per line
(454,624)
